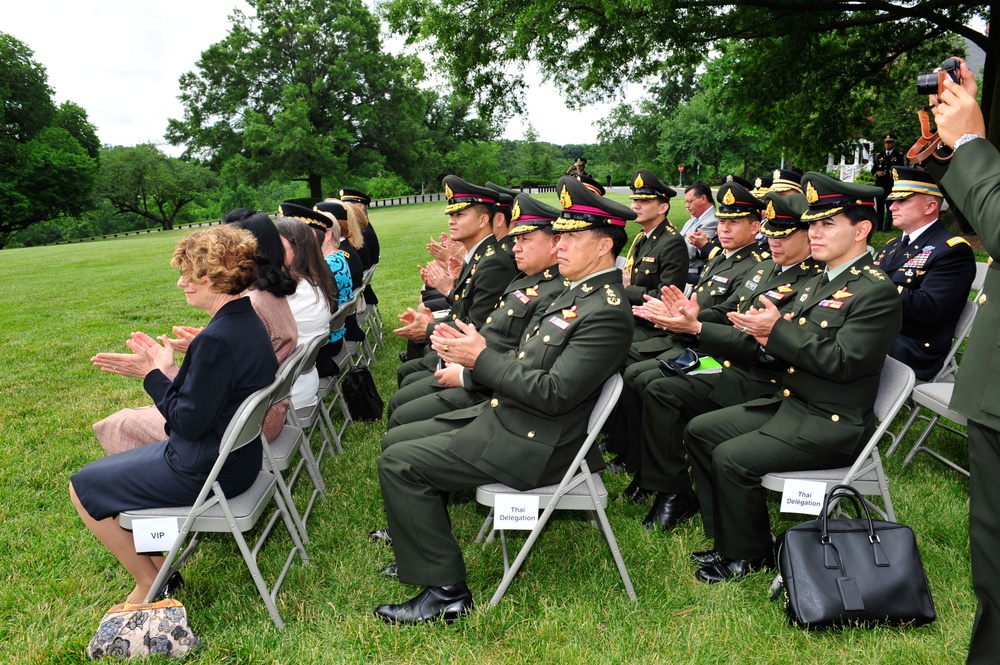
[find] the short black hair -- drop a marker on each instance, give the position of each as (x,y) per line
(701,189)
(618,237)
(859,214)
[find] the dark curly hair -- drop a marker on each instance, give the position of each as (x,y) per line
(273,277)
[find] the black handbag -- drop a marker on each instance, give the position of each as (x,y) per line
(362,396)
(838,572)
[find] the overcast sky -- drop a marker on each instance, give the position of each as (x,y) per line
(121,61)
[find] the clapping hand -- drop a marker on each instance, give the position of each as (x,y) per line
(460,346)
(146,356)
(414,323)
(758,323)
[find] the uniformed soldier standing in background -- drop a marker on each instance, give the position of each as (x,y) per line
(882,165)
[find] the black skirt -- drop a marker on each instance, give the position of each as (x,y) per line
(145,478)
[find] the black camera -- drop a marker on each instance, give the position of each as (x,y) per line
(932,83)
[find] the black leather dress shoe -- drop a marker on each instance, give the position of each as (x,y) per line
(390,571)
(380,537)
(731,569)
(445,603)
(170,587)
(635,494)
(669,509)
(706,558)
(402,357)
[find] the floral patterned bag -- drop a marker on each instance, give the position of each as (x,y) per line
(129,630)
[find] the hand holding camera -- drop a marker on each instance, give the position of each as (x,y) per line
(951,90)
(956,112)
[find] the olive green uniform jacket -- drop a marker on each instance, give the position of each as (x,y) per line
(721,277)
(972,182)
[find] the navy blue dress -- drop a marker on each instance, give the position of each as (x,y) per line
(228,361)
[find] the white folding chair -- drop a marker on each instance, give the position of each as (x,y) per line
(368,319)
(935,394)
(310,417)
(980,279)
(330,385)
(866,474)
(579,490)
(213,511)
(291,441)
(355,351)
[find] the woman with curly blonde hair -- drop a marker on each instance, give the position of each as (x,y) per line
(226,362)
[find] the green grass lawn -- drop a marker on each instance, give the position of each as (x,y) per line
(60,305)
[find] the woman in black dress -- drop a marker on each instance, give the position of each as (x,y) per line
(225,363)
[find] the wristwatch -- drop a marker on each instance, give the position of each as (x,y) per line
(965,138)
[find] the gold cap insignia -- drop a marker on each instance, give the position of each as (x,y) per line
(895,175)
(729,178)
(341,194)
(769,213)
(515,212)
(448,193)
(729,199)
(564,200)
(638,182)
(777,174)
(812,196)
(759,182)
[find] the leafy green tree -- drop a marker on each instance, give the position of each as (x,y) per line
(144,181)
(301,89)
(590,48)
(48,164)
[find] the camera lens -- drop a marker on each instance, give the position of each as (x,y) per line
(927,84)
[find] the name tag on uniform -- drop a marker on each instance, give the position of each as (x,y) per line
(515,511)
(156,534)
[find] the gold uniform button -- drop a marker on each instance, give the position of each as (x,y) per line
(835,418)
(700,289)
(823,324)
(802,321)
(494,402)
(727,364)
(510,312)
(791,370)
(927,345)
(786,392)
(502,305)
(520,355)
(489,319)
(531,435)
(647,272)
(454,317)
(981,299)
(546,339)
(712,292)
(774,382)
(458,296)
